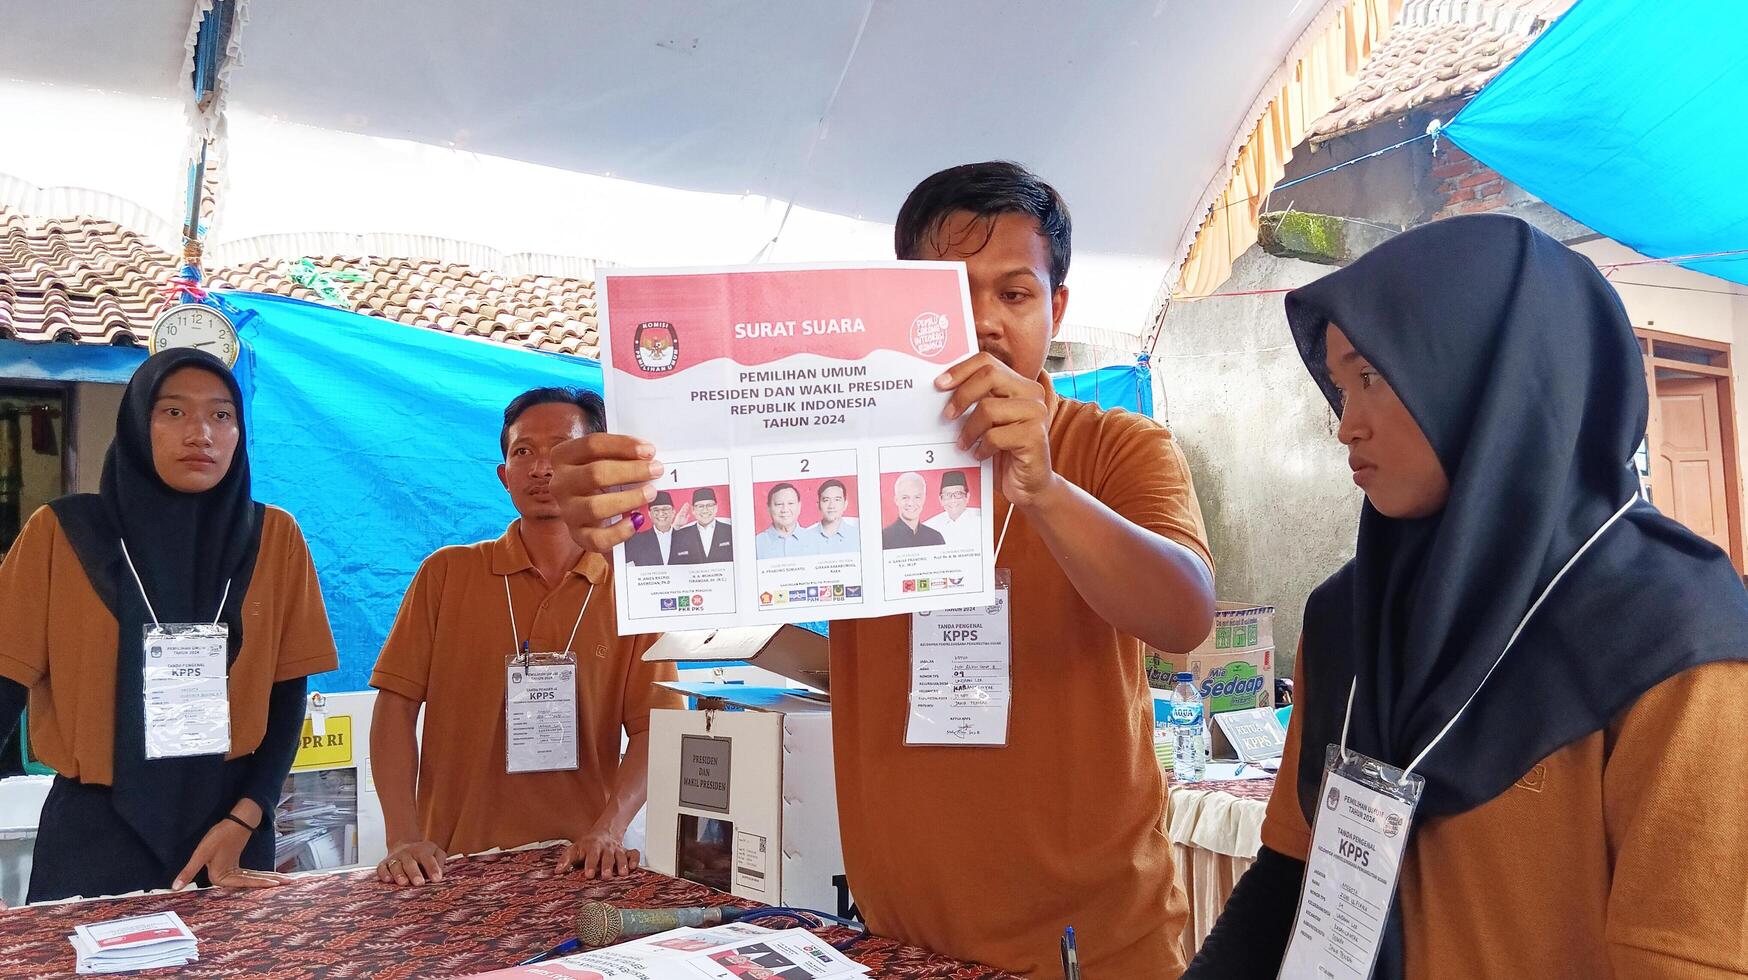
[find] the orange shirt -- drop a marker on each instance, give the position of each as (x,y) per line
(987,853)
(449,647)
(59,640)
(1623,856)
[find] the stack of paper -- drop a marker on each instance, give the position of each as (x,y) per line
(733,952)
(143,942)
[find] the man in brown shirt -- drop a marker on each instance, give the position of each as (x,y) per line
(987,853)
(450,650)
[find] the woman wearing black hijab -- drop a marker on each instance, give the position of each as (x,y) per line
(149,795)
(1560,662)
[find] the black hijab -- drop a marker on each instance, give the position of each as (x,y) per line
(186,547)
(1518,362)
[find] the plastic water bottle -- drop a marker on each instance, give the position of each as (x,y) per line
(1190,753)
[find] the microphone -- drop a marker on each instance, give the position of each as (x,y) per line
(601,924)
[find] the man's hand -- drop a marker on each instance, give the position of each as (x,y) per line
(219,851)
(412,863)
(599,854)
(599,479)
(1008,422)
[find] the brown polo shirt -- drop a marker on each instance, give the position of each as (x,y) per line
(1623,856)
(59,640)
(986,853)
(449,647)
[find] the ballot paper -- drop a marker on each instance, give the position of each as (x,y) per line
(733,952)
(142,942)
(810,469)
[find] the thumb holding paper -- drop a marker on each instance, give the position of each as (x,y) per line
(600,479)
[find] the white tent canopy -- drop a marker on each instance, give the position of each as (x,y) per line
(669,131)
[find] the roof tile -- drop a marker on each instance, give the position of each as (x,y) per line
(83,280)
(1420,64)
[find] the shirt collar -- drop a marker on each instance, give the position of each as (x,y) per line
(509,556)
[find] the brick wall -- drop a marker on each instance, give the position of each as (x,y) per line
(1465,185)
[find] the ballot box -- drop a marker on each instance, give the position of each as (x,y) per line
(328,815)
(742,793)
(21,800)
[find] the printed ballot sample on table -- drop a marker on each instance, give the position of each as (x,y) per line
(142,942)
(739,951)
(742,793)
(810,469)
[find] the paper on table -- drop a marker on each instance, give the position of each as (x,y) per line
(794,954)
(684,942)
(733,952)
(1224,771)
(139,942)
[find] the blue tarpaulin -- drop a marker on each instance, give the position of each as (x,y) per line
(68,362)
(1127,386)
(382,440)
(1627,116)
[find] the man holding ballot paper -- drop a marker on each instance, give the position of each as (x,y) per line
(983,828)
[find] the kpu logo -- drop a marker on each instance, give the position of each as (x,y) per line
(657,347)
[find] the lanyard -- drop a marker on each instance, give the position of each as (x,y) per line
(148,599)
(1354,685)
(1002,538)
(516,644)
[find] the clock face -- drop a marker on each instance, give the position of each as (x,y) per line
(194,325)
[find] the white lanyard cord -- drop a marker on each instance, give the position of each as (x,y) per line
(1497,661)
(148,599)
(1351,688)
(1002,538)
(516,634)
(570,644)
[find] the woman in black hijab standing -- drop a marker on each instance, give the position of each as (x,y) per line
(162,781)
(1562,664)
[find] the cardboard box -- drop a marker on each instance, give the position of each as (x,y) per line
(742,792)
(743,796)
(794,652)
(1234,668)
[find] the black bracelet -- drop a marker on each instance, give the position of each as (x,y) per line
(233,818)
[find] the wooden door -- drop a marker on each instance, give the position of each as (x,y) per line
(1689,480)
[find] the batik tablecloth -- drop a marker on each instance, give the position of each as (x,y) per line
(489,912)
